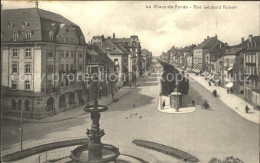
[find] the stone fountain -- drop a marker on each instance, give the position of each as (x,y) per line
(95,151)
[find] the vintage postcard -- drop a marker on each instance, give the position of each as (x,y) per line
(130,81)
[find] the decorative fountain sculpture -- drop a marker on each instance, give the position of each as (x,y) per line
(95,151)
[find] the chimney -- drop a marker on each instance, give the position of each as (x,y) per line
(108,37)
(242,40)
(250,38)
(216,36)
(36,4)
(114,35)
(207,37)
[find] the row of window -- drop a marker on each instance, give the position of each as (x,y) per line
(93,58)
(68,40)
(28,35)
(251,45)
(50,68)
(15,68)
(250,70)
(28,53)
(67,54)
(67,67)
(250,58)
(27,85)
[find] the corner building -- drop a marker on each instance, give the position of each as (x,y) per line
(42,52)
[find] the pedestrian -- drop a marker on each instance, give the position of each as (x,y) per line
(113,95)
(193,103)
(209,83)
(246,108)
(163,103)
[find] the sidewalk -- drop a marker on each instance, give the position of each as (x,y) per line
(77,111)
(235,103)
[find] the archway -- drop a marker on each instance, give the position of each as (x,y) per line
(71,98)
(26,105)
(19,104)
(13,104)
(50,104)
(62,101)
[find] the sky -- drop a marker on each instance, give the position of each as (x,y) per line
(158,29)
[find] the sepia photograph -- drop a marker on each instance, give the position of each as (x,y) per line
(130,81)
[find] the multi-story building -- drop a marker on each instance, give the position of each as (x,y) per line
(172,52)
(199,57)
(188,56)
(164,57)
(252,70)
(119,55)
(42,55)
(147,55)
(233,65)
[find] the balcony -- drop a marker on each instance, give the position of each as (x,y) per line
(70,88)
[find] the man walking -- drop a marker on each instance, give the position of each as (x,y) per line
(247,108)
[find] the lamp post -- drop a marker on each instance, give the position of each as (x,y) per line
(21,147)
(177,97)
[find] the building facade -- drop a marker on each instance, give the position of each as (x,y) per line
(199,53)
(43,53)
(252,70)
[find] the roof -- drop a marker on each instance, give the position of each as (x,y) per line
(121,40)
(39,22)
(254,45)
(209,43)
(115,48)
(104,59)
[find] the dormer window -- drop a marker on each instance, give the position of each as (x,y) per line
(28,34)
(51,35)
(15,36)
(25,24)
(53,25)
(10,24)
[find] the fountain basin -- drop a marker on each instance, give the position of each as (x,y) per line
(109,153)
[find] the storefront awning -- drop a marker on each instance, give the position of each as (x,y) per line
(229,85)
(230,68)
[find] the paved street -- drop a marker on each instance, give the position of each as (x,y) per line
(219,132)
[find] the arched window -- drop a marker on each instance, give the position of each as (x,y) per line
(50,104)
(28,34)
(25,24)
(15,35)
(26,105)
